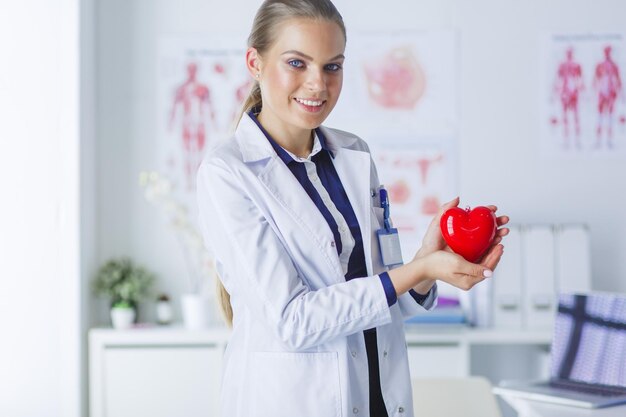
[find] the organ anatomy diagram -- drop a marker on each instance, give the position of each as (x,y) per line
(418,179)
(399,83)
(396,79)
(586,106)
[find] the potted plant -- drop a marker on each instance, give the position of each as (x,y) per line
(126,284)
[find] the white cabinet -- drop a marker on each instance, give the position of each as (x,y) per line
(459,352)
(161,381)
(173,372)
(434,360)
(155,372)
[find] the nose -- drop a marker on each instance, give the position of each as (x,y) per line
(316,80)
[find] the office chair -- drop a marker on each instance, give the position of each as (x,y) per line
(454,397)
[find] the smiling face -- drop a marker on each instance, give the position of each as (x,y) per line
(300,77)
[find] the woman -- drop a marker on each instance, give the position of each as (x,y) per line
(290,210)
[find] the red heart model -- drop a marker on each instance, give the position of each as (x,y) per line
(469,233)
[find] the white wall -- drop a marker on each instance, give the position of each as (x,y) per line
(40,299)
(499,160)
(88,182)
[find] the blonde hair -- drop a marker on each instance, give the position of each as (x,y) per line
(262,36)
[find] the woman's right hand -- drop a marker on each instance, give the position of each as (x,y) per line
(444,265)
(452,268)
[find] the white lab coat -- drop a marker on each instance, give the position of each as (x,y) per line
(297,347)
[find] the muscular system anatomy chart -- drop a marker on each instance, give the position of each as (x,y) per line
(202,83)
(583,101)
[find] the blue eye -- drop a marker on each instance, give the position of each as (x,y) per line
(333,67)
(296,63)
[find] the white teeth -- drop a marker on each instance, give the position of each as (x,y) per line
(309,102)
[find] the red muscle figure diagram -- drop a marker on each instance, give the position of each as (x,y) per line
(191,109)
(587,85)
(607,84)
(568,86)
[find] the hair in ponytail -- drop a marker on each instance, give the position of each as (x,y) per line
(262,36)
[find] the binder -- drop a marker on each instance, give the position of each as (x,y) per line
(538,265)
(507,283)
(573,258)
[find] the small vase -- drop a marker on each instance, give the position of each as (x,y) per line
(122,317)
(164,312)
(196,311)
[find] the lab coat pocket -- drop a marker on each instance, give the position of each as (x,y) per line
(287,384)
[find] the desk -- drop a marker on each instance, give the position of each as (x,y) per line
(532,408)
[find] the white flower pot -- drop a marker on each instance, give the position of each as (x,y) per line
(164,312)
(196,311)
(122,318)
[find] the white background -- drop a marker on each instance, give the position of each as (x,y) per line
(499,158)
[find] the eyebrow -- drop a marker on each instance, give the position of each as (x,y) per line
(305,56)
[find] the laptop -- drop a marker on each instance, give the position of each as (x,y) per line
(588,354)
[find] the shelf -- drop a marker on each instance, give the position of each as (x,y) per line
(177,334)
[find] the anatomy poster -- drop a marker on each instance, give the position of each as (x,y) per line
(399,83)
(202,82)
(583,98)
(419,179)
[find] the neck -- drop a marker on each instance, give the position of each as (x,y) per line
(298,142)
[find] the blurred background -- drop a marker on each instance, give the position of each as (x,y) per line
(106,108)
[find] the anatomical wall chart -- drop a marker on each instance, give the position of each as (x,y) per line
(418,178)
(202,83)
(400,83)
(582,98)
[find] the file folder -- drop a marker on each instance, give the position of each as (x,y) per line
(573,258)
(538,265)
(507,283)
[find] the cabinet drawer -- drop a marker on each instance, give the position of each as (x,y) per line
(161,381)
(430,360)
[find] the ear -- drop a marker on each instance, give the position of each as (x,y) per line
(253,62)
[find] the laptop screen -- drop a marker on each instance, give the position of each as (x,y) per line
(589,342)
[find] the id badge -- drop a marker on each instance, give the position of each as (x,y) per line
(388,238)
(389,243)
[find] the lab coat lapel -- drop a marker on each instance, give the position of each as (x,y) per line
(353,168)
(284,188)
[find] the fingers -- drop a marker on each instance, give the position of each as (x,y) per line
(502,220)
(502,232)
(473,274)
(452,203)
(493,256)
(478,270)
